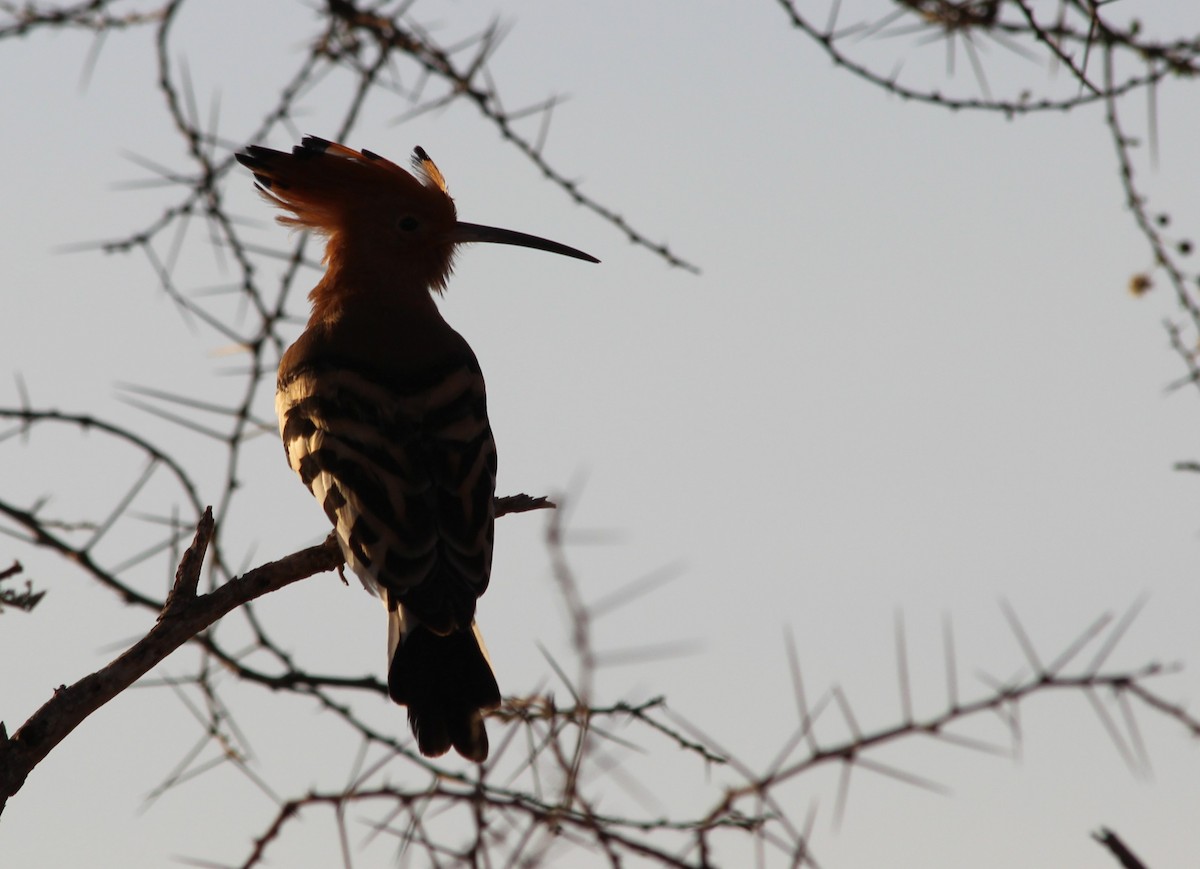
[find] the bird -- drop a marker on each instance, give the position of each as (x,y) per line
(383,414)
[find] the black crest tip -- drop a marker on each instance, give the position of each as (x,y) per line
(310,146)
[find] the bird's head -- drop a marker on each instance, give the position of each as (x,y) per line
(377,218)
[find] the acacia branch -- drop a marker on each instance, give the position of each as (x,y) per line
(184,615)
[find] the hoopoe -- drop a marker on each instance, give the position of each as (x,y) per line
(383,415)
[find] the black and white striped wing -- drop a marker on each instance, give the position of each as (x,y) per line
(406,475)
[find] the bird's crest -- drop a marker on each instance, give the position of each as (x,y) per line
(383,226)
(428,170)
(327,186)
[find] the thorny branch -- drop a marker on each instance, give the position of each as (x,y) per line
(1107,60)
(184,616)
(753,804)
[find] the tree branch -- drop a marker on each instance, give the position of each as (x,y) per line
(183,616)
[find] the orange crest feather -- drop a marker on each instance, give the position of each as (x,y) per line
(327,186)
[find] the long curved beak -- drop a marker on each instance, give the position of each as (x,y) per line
(465,233)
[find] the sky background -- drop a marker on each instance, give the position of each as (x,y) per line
(908,379)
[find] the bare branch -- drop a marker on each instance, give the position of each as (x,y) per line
(184,616)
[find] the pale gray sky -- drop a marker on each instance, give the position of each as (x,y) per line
(909,378)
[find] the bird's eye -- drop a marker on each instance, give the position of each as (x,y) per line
(407,223)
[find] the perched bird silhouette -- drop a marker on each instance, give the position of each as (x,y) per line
(383,415)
